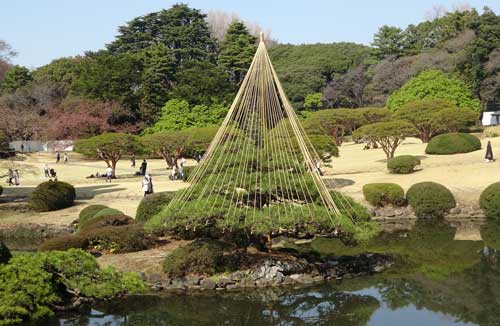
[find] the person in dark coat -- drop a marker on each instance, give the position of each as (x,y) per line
(58,157)
(489,153)
(144,166)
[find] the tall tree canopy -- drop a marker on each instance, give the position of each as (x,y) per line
(237,51)
(181,29)
(433,84)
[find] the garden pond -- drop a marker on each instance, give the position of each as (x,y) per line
(437,279)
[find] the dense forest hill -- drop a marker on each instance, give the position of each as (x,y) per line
(176,68)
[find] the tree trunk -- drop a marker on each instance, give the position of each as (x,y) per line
(113,167)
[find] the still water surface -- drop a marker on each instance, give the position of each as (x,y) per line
(437,280)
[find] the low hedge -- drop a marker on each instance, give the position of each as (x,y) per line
(115,239)
(382,194)
(152,205)
(201,257)
(108,212)
(99,222)
(118,239)
(52,195)
(489,201)
(5,254)
(403,164)
(430,199)
(453,143)
(89,212)
(65,242)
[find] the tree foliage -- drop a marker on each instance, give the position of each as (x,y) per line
(335,123)
(15,78)
(389,135)
(306,69)
(432,116)
(179,114)
(236,51)
(433,84)
(109,147)
(181,29)
(32,286)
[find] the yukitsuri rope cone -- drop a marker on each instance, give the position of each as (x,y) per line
(260,172)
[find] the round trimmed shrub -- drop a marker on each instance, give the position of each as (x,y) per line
(403,164)
(382,194)
(152,205)
(64,242)
(430,199)
(201,257)
(99,222)
(88,212)
(453,143)
(5,254)
(52,196)
(489,201)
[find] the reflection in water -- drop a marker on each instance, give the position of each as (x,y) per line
(437,281)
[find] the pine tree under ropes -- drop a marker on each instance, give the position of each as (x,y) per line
(259,173)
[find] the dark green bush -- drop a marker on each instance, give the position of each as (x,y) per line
(453,143)
(52,195)
(201,257)
(490,200)
(108,212)
(99,222)
(152,205)
(5,254)
(118,239)
(430,199)
(382,194)
(403,164)
(31,285)
(65,242)
(89,212)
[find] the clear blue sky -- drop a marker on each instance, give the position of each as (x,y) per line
(43,30)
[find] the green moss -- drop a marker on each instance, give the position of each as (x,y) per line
(382,194)
(453,143)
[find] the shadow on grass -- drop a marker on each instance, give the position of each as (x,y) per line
(89,192)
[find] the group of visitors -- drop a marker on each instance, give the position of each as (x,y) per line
(13,178)
(49,172)
(178,170)
(58,157)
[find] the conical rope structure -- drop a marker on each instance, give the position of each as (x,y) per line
(260,172)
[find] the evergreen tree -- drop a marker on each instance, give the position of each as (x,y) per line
(15,77)
(157,80)
(181,29)
(237,51)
